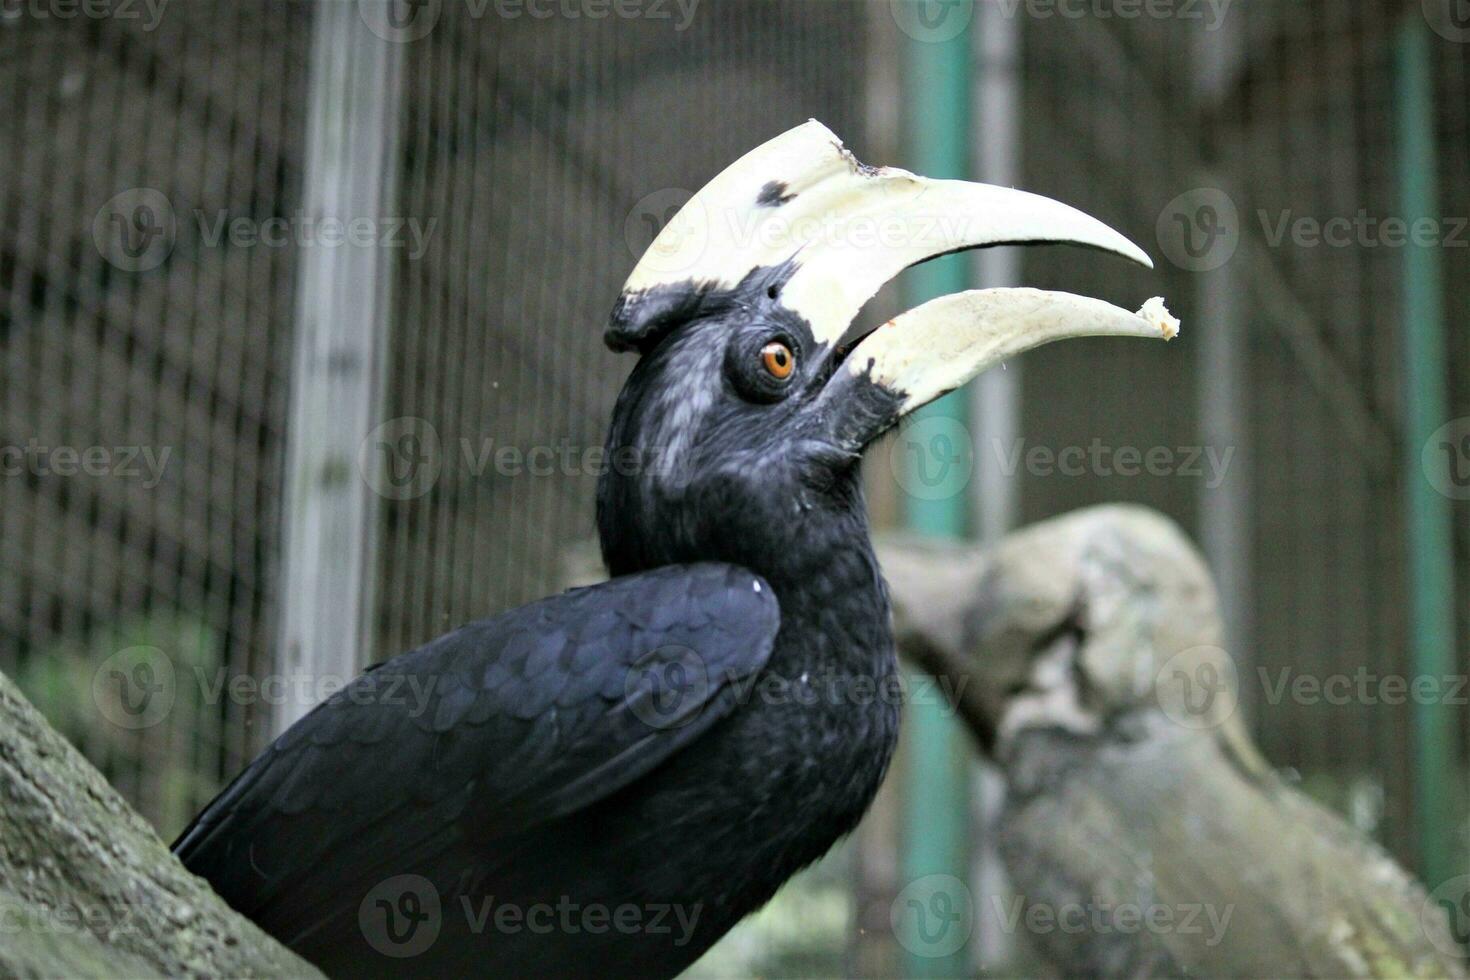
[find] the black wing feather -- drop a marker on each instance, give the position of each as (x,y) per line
(490,729)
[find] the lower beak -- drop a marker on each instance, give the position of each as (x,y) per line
(937,347)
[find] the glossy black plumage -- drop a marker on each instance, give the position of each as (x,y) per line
(741,505)
(458,761)
(523,760)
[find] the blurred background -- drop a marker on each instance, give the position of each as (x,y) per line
(300,354)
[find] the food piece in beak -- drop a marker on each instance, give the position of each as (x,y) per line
(1155,312)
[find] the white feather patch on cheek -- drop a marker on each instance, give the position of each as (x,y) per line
(676,417)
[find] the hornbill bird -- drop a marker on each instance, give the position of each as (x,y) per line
(1091,644)
(607,780)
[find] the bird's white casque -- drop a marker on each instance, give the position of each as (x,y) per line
(847,228)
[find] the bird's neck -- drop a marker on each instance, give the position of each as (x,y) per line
(835,621)
(810,543)
(818,727)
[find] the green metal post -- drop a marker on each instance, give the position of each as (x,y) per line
(937,796)
(1428,512)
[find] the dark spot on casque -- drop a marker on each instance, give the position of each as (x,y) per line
(773,195)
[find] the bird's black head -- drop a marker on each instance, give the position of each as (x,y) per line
(737,435)
(724,443)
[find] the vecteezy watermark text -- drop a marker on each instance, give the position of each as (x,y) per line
(137,230)
(145,463)
(404,21)
(1201,229)
(1362,686)
(403,458)
(1362,230)
(569,917)
(663,686)
(402,916)
(1099,459)
(307,231)
(1200,687)
(70,918)
(137,687)
(1210,13)
(937,21)
(1103,918)
(150,12)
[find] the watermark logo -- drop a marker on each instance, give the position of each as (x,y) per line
(1198,688)
(145,464)
(69,918)
(1448,905)
(1100,917)
(1209,14)
(570,917)
(932,21)
(1362,230)
(149,12)
(932,458)
(1362,686)
(666,687)
(1446,459)
(401,916)
(680,12)
(135,230)
(400,21)
(135,688)
(1207,463)
(403,21)
(670,230)
(1450,19)
(304,230)
(933,916)
(682,247)
(402,458)
(1199,230)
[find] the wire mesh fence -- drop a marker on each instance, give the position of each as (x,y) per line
(1279,124)
(540,158)
(151,234)
(144,373)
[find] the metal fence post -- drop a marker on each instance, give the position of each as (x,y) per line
(1428,516)
(996,149)
(342,320)
(995,399)
(1222,364)
(936,820)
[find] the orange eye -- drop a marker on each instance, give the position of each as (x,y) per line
(778,360)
